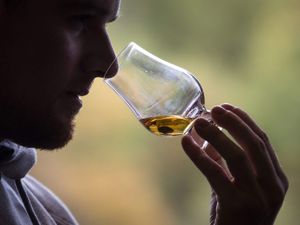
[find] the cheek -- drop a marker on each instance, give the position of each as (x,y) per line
(61,54)
(42,72)
(71,57)
(59,62)
(40,60)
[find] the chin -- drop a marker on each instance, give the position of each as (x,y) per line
(55,142)
(47,131)
(55,138)
(50,136)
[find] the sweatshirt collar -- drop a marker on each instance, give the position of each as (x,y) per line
(15,160)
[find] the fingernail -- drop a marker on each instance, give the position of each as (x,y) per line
(218,110)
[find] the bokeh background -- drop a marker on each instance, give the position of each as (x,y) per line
(243,52)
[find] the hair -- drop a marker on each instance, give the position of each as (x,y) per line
(12,4)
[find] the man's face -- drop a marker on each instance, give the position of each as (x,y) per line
(50,53)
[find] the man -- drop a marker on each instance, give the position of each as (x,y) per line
(50,53)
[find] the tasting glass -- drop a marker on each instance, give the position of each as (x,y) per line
(164,97)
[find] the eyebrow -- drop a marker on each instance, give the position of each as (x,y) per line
(111,12)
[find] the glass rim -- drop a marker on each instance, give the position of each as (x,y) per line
(124,49)
(133,45)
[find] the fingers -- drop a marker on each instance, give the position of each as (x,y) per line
(214,173)
(258,177)
(209,150)
(236,158)
(213,208)
(243,130)
(247,119)
(248,139)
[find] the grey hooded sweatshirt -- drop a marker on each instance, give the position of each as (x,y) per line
(24,200)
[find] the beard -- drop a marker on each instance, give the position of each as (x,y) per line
(35,127)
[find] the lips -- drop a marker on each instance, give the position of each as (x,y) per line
(72,103)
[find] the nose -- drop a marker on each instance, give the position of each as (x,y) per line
(100,59)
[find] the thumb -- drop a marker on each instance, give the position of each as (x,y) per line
(213,208)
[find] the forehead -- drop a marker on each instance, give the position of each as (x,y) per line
(109,6)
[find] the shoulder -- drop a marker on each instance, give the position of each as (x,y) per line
(55,207)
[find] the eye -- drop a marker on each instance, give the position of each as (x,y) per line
(81,22)
(82,18)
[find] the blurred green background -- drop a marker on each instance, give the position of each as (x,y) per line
(243,52)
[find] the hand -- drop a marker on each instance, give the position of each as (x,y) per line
(250,188)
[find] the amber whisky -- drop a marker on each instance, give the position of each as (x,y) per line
(167,125)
